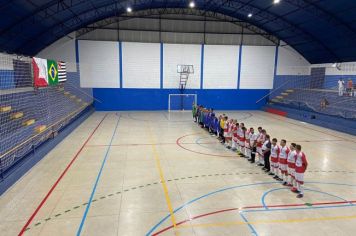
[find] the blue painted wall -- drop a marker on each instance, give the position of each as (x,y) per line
(330,81)
(157,99)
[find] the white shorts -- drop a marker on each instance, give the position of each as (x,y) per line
(299,177)
(291,171)
(283,168)
(259,150)
(241,143)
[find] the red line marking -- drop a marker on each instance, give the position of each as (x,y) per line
(207,154)
(58,180)
(248,207)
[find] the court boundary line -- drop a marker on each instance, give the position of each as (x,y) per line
(234,187)
(162,180)
(97,179)
(24,228)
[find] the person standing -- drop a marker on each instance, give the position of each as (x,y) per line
(341,87)
(266,151)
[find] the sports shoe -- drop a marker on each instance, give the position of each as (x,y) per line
(260,164)
(284,183)
(300,195)
(271,173)
(294,190)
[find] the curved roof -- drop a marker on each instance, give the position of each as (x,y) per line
(321,30)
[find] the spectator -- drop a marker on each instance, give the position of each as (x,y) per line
(341,84)
(349,87)
(324,103)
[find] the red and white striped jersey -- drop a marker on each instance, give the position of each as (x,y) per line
(284,151)
(275,150)
(300,162)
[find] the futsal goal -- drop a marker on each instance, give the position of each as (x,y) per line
(181,102)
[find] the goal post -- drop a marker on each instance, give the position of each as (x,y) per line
(181,102)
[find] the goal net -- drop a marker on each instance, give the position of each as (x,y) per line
(326,89)
(181,102)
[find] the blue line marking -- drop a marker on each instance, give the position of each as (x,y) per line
(275,64)
(253,231)
(202,66)
(241,186)
(97,180)
(239,67)
(120,62)
(201,197)
(311,190)
(161,66)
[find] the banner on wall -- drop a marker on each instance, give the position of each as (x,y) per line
(48,72)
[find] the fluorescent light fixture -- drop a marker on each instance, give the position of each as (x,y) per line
(249,15)
(276,1)
(129,9)
(192,4)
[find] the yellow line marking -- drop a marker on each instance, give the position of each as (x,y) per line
(234,223)
(163,181)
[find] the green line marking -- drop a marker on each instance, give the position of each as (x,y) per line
(111,194)
(176,179)
(169,180)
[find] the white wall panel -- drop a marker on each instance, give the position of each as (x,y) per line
(257,67)
(141,65)
(62,50)
(220,66)
(174,54)
(99,64)
(290,62)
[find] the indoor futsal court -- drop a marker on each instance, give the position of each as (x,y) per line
(190,118)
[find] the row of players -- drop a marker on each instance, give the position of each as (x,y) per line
(287,164)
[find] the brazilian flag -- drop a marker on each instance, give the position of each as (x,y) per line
(52,68)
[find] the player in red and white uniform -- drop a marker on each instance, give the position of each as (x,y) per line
(247,144)
(234,136)
(283,156)
(275,151)
(291,167)
(260,141)
(228,136)
(301,165)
